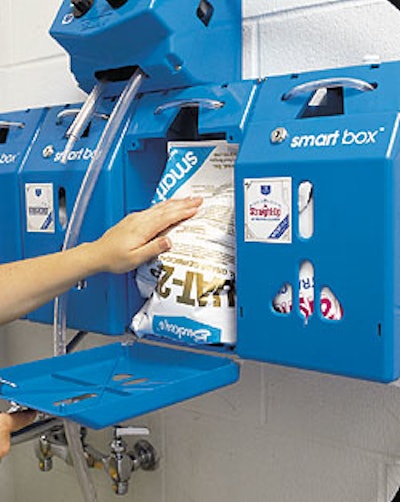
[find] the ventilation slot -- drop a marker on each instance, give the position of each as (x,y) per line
(306,210)
(283,301)
(205,11)
(62,208)
(324,102)
(86,132)
(306,290)
(3,134)
(331,308)
(73,400)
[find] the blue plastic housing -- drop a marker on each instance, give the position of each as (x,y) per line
(168,39)
(17,132)
(344,141)
(352,160)
(100,305)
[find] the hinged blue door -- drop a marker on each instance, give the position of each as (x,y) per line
(107,385)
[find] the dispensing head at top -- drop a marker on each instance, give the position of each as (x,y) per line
(176,43)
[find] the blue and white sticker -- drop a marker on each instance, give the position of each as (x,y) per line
(268,210)
(39,203)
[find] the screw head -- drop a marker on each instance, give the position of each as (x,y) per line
(48,151)
(279,135)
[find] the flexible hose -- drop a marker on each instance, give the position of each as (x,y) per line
(118,116)
(81,120)
(85,192)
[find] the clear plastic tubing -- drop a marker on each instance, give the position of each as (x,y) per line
(81,120)
(119,116)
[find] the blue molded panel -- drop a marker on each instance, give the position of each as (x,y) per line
(15,143)
(352,161)
(165,38)
(104,386)
(101,306)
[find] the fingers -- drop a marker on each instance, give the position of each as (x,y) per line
(21,419)
(10,423)
(139,236)
(170,212)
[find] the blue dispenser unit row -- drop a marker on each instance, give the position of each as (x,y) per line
(325,142)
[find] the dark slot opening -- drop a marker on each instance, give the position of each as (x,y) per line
(81,7)
(324,102)
(86,132)
(205,12)
(185,127)
(116,74)
(62,208)
(3,134)
(116,4)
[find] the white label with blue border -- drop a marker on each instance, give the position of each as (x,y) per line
(39,203)
(268,210)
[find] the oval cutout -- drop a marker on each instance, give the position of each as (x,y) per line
(122,376)
(135,382)
(76,399)
(283,301)
(306,290)
(305,205)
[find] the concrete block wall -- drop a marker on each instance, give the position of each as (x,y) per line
(280,434)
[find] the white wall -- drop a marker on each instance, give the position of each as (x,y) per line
(280,434)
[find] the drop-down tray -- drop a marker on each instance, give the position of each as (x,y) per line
(104,386)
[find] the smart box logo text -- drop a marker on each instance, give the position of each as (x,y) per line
(8,158)
(336,138)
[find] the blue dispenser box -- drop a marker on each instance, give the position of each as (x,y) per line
(17,133)
(175,43)
(337,130)
(48,192)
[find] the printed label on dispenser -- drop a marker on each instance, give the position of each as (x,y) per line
(268,210)
(39,203)
(191,288)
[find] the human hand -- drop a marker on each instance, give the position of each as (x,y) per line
(11,422)
(137,238)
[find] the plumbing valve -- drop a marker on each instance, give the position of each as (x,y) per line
(53,443)
(121,463)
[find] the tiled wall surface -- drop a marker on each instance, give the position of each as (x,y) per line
(280,434)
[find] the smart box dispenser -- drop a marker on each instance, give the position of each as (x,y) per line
(338,131)
(321,295)
(98,303)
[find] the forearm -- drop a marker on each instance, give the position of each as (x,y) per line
(25,285)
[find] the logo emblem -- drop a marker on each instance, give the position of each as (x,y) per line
(265,189)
